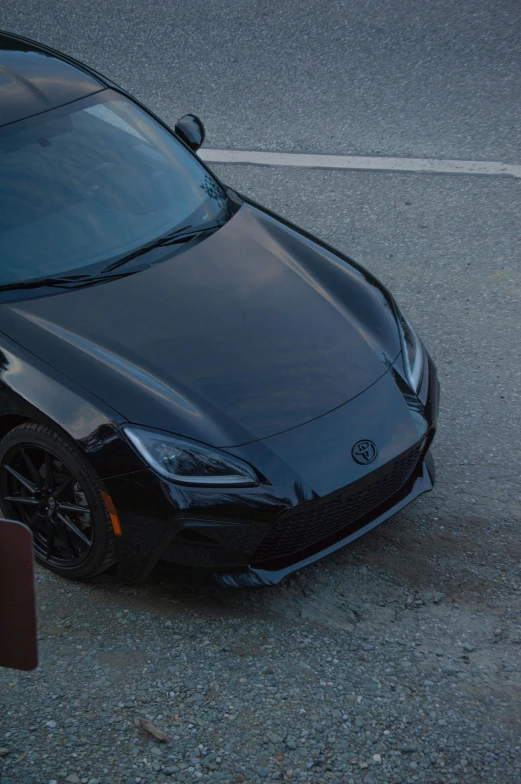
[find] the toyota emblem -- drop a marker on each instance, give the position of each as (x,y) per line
(364,452)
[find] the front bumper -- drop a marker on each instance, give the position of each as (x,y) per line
(257,536)
(420,482)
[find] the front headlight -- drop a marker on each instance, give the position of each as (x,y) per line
(413,352)
(189,462)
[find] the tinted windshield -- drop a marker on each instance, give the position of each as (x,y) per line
(93,181)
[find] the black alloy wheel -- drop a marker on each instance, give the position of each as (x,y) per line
(46,484)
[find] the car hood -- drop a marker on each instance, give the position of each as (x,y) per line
(255,330)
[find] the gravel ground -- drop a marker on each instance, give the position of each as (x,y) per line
(357,670)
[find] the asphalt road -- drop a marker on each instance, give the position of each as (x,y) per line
(434,79)
(437,79)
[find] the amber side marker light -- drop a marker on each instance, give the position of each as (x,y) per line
(111,509)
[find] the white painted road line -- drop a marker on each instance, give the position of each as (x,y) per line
(362,162)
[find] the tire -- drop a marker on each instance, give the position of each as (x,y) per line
(46,483)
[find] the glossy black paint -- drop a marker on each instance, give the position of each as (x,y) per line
(216,533)
(261,340)
(31,389)
(191,130)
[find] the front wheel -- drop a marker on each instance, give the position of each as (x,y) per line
(46,483)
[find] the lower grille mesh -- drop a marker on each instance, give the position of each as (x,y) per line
(310,523)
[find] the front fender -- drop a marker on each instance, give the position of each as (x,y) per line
(31,389)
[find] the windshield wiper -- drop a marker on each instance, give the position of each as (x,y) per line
(62,281)
(184,233)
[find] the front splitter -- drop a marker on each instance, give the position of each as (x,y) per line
(255,577)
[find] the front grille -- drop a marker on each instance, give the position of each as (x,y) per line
(310,523)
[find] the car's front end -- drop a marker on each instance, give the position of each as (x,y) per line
(313,493)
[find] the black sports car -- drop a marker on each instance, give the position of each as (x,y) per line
(183,375)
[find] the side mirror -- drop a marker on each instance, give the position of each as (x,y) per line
(191,130)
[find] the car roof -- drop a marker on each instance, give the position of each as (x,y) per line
(35,78)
